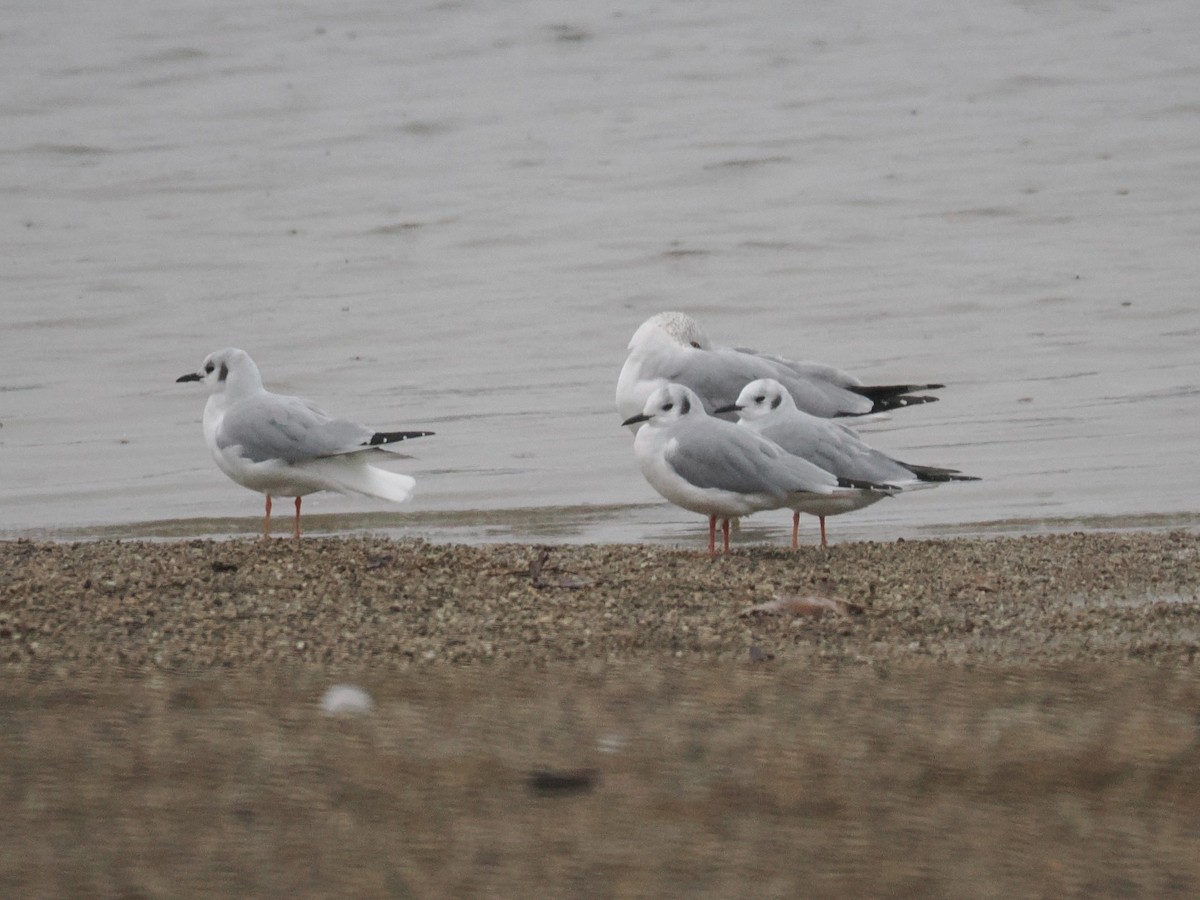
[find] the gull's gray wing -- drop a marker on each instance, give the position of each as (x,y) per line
(272,426)
(814,371)
(834,448)
(827,391)
(729,458)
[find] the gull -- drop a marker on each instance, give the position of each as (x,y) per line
(670,347)
(766,407)
(286,446)
(713,467)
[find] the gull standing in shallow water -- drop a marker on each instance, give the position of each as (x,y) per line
(713,467)
(287,446)
(670,347)
(766,408)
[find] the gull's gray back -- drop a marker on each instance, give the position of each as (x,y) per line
(718,376)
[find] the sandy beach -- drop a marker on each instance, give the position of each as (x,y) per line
(972,718)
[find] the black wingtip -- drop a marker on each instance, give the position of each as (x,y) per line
(886,397)
(392,437)
(861,485)
(887,404)
(936,474)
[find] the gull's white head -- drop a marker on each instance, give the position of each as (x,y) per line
(668,404)
(230,371)
(672,327)
(760,399)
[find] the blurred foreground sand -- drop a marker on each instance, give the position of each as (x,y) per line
(1001,717)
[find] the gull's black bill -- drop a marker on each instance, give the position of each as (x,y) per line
(190,376)
(732,407)
(633,420)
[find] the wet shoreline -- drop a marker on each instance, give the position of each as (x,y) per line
(653,523)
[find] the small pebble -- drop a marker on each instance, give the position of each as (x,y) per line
(549,782)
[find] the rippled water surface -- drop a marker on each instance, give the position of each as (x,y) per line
(454,215)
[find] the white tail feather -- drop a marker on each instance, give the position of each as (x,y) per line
(352,475)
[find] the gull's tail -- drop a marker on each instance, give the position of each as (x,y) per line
(353,475)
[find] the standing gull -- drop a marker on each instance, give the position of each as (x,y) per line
(766,407)
(713,467)
(287,446)
(670,347)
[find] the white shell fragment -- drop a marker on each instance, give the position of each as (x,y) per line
(346,699)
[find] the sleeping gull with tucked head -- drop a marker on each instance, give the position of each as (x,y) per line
(287,446)
(670,347)
(766,407)
(713,467)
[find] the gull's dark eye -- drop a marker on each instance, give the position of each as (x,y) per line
(761,398)
(694,344)
(208,368)
(667,407)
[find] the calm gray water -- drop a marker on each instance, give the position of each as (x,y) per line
(454,215)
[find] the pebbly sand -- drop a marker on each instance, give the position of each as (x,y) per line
(976,718)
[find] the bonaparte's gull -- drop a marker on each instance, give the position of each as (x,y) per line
(767,408)
(287,446)
(670,347)
(713,467)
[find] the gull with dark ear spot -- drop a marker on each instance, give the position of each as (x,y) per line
(671,347)
(715,468)
(766,408)
(286,446)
